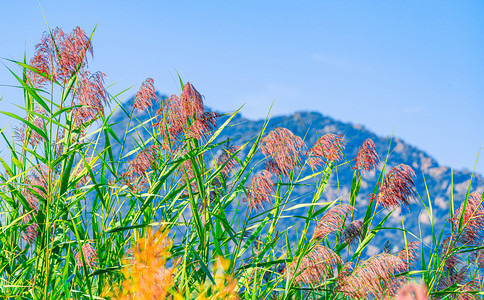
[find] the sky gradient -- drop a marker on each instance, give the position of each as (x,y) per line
(412,67)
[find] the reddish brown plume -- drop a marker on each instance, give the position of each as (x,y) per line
(144,160)
(59,56)
(397,188)
(72,52)
(203,125)
(30,232)
(367,157)
(260,189)
(145,96)
(92,96)
(186,114)
(448,254)
(225,158)
(469,290)
(283,147)
(191,102)
(326,150)
(472,220)
(332,220)
(38,121)
(371,276)
(353,232)
(409,254)
(313,267)
(89,254)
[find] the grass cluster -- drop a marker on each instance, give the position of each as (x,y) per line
(181,215)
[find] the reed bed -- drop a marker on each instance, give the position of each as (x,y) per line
(177,214)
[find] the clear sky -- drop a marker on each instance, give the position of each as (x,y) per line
(415,67)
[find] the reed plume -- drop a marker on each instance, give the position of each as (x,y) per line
(59,56)
(91,96)
(326,149)
(227,159)
(145,96)
(314,267)
(332,220)
(186,114)
(88,255)
(371,276)
(353,232)
(144,160)
(35,138)
(283,147)
(260,190)
(397,188)
(472,217)
(367,156)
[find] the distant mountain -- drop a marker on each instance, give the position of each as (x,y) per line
(312,125)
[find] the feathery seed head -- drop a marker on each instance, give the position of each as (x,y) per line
(72,51)
(59,56)
(346,270)
(472,220)
(31,230)
(469,290)
(371,276)
(313,267)
(37,120)
(201,126)
(332,220)
(92,97)
(144,160)
(353,232)
(89,254)
(146,95)
(271,166)
(260,189)
(32,199)
(176,119)
(409,254)
(225,158)
(326,149)
(36,187)
(448,254)
(186,114)
(452,276)
(478,257)
(367,157)
(283,147)
(42,61)
(191,102)
(398,187)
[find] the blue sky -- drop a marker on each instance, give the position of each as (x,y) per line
(415,67)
